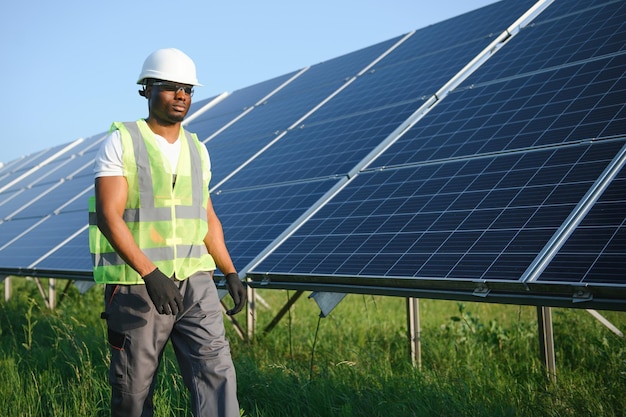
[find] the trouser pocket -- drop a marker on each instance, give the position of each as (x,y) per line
(117,340)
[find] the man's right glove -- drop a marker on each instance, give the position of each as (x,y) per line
(163,292)
(237,292)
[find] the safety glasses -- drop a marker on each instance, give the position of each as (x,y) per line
(169,86)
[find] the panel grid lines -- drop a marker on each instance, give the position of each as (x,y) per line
(594,253)
(565,105)
(474,219)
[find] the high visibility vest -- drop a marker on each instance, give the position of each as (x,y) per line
(168,222)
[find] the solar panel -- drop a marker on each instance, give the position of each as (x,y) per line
(321,150)
(419,66)
(27,239)
(67,258)
(476,189)
(46,188)
(565,33)
(232,106)
(48,166)
(352,123)
(254,217)
(259,127)
(44,204)
(568,104)
(595,251)
(393,79)
(577,98)
(34,243)
(476,219)
(20,165)
(14,229)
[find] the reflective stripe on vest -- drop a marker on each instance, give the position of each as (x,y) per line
(167,222)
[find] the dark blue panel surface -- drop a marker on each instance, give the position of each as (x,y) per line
(342,132)
(596,251)
(423,63)
(255,217)
(35,243)
(6,197)
(567,32)
(486,22)
(480,219)
(321,150)
(42,200)
(49,171)
(19,166)
(255,130)
(569,104)
(232,106)
(47,205)
(561,80)
(72,256)
(11,230)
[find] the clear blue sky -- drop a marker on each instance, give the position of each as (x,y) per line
(71,66)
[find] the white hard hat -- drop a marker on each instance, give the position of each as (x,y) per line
(169,64)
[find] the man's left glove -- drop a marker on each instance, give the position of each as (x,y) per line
(237,292)
(163,292)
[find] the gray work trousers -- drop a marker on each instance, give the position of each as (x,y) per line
(137,335)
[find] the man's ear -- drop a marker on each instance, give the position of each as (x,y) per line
(145,92)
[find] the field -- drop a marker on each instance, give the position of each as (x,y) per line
(477,360)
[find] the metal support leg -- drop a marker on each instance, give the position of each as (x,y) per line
(42,291)
(7,288)
(414,330)
(68,284)
(546,340)
(606,323)
(283,311)
(251,313)
(52,293)
(233,321)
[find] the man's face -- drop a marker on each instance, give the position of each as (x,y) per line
(169,102)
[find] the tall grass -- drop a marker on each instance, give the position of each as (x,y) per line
(477,360)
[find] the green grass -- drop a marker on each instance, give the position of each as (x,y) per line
(478,359)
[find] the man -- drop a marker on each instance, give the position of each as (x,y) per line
(155,241)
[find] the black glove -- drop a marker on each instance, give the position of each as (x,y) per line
(163,292)
(237,292)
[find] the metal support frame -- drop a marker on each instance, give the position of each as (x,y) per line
(68,284)
(606,323)
(414,331)
(51,297)
(251,313)
(283,311)
(328,301)
(546,340)
(544,320)
(7,288)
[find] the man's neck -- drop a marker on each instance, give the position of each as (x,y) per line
(168,131)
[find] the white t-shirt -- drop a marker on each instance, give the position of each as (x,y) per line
(109,161)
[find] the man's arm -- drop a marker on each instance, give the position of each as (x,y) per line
(111,193)
(216,245)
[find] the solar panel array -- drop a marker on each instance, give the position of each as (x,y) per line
(42,211)
(360,174)
(479,186)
